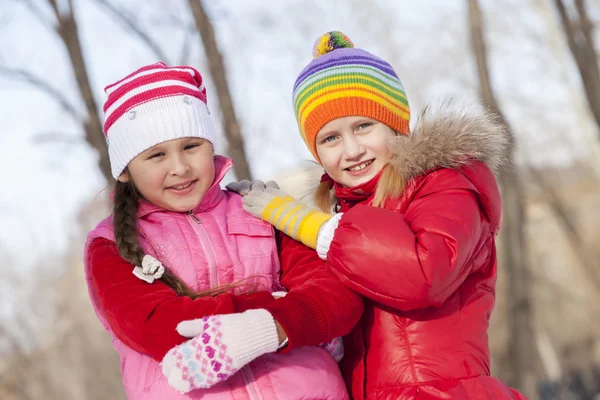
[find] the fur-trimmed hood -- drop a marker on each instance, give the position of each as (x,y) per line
(447,136)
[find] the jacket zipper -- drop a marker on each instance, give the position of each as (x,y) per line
(251,385)
(208,250)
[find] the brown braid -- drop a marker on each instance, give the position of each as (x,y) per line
(125,226)
(126,205)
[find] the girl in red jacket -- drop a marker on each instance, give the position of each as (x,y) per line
(178,247)
(415,215)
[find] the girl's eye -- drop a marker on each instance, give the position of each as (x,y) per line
(329,139)
(191,146)
(156,155)
(364,125)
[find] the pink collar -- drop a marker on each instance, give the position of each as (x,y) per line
(212,197)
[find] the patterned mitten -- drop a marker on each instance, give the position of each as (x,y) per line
(286,214)
(335,347)
(221,346)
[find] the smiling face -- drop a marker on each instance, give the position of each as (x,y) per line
(353,150)
(174,175)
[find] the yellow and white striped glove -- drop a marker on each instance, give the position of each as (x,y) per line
(286,214)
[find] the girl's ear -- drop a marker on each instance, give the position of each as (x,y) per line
(124,177)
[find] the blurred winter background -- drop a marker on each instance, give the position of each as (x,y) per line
(534,61)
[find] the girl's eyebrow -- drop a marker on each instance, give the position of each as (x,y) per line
(153,149)
(363,120)
(359,122)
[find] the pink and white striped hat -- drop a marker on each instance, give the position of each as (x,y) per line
(154,104)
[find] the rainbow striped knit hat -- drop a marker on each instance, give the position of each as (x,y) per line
(345,81)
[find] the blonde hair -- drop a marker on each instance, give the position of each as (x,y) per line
(391,185)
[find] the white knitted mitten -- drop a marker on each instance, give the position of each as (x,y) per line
(221,346)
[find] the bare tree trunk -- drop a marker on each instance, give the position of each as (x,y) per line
(231,126)
(67,30)
(587,256)
(586,127)
(514,249)
(581,43)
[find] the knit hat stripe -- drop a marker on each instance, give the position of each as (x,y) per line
(156,66)
(350,69)
(344,106)
(354,102)
(357,94)
(150,70)
(348,81)
(148,89)
(383,66)
(143,82)
(141,98)
(351,91)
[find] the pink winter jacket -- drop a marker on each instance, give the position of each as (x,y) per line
(219,244)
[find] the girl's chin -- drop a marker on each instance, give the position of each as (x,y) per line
(352,181)
(182,206)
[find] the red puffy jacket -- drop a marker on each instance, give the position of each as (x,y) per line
(426,265)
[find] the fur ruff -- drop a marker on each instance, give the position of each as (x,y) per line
(447,136)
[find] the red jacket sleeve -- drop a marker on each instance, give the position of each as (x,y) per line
(413,260)
(318,307)
(144,316)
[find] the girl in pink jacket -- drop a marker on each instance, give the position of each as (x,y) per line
(177,248)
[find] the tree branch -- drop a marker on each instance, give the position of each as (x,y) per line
(44,86)
(129,22)
(231,126)
(586,25)
(568,29)
(37,13)
(68,32)
(587,257)
(581,43)
(56,137)
(55,9)
(184,55)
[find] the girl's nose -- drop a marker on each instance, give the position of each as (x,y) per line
(353,149)
(179,165)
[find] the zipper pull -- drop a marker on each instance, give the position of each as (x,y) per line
(194,217)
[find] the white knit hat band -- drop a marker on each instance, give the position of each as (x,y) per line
(154,122)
